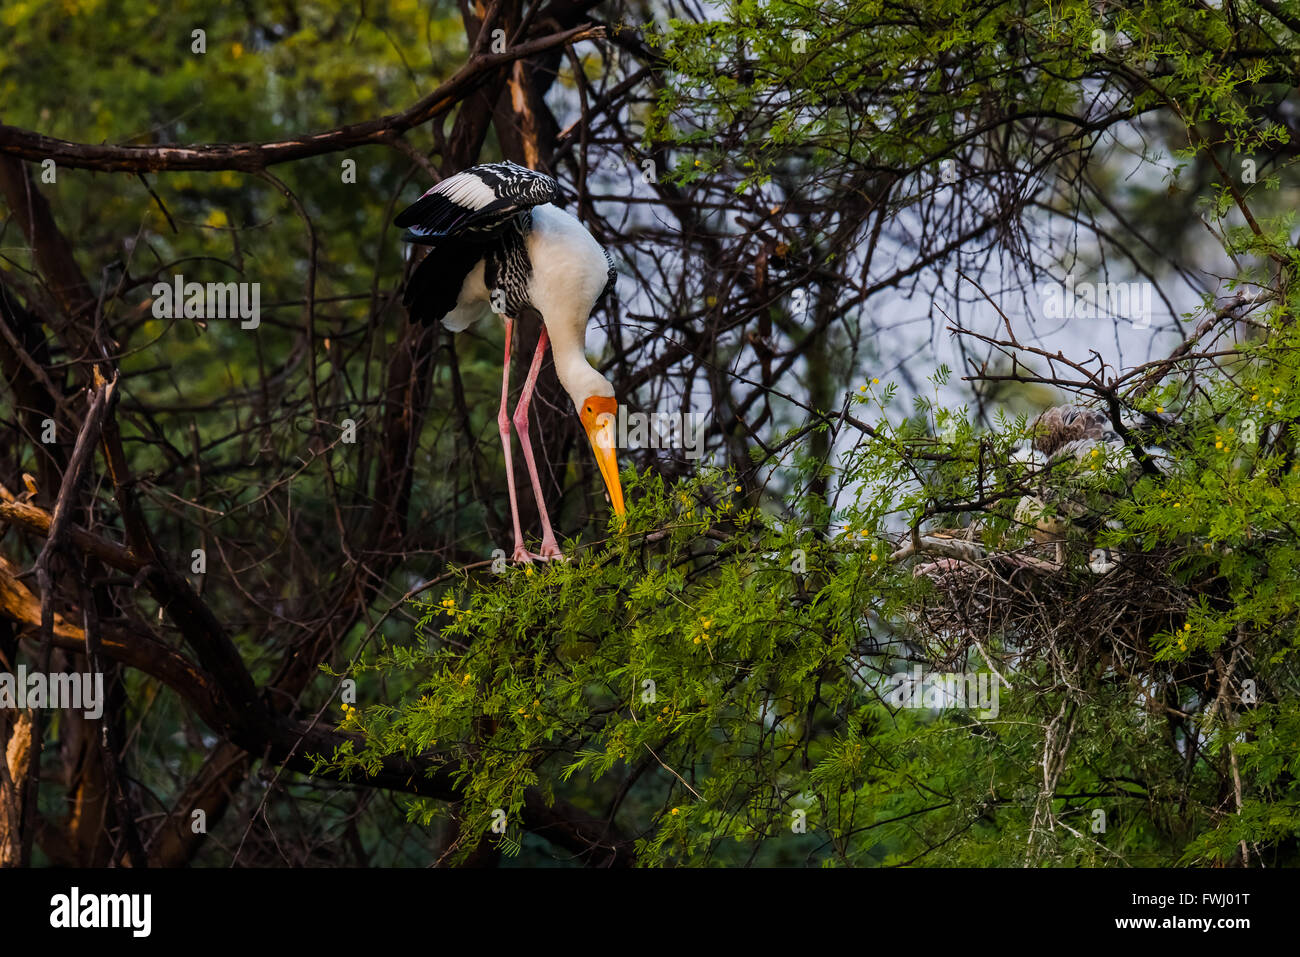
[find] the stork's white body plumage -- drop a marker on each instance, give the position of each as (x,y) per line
(563,292)
(498,244)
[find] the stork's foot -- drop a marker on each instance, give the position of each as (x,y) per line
(551,553)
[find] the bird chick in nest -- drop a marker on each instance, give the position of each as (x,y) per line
(1080,465)
(1071,449)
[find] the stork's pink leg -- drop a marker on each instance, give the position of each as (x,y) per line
(521,554)
(550,550)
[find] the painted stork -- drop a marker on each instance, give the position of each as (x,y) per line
(497,243)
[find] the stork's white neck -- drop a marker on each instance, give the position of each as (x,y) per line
(576,374)
(569,272)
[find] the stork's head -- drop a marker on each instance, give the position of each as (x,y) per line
(599,412)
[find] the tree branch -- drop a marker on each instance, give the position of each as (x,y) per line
(254,157)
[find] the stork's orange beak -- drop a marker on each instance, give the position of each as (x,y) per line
(598,415)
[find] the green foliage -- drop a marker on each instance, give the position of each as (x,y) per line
(714,677)
(901,87)
(768,692)
(770,628)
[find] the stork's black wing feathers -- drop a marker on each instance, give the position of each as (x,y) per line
(434,216)
(434,287)
(475,202)
(460,219)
